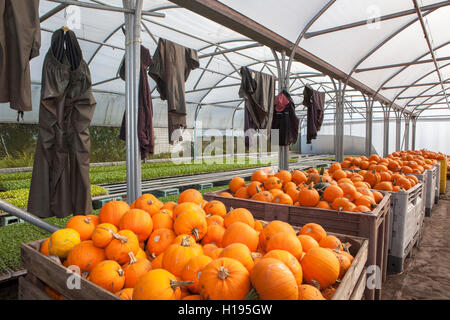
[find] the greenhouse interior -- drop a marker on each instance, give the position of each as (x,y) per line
(224,150)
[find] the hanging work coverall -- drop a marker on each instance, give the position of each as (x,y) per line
(284,119)
(60,183)
(258,89)
(315,102)
(20,41)
(145,110)
(172,64)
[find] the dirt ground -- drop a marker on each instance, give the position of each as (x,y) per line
(427,274)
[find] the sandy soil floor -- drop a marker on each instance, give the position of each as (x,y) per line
(427,274)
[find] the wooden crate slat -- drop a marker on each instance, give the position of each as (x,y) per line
(30,291)
(55,275)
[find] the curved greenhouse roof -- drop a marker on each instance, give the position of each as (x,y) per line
(377,48)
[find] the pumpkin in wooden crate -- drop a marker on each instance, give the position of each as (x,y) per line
(273,228)
(321,265)
(290,261)
(177,256)
(44,247)
(124,242)
(236,183)
(288,242)
(192,271)
(309,292)
(192,223)
(193,297)
(239,215)
(109,275)
(158,284)
(240,232)
(214,219)
(272,280)
(163,219)
(239,252)
(187,206)
(83,225)
(216,208)
(191,195)
(148,203)
(62,241)
(86,256)
(259,176)
(134,270)
(308,197)
(214,235)
(139,222)
(307,242)
(331,242)
(125,294)
(159,241)
(113,211)
(103,234)
(224,279)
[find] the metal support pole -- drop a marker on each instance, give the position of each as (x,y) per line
(386,113)
(339,126)
(132,77)
(398,124)
(283,153)
(28,217)
(413,133)
(369,117)
(197,111)
(406,133)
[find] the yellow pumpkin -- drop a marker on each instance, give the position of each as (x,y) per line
(62,241)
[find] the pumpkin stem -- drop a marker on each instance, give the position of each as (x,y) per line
(195,233)
(150,202)
(153,256)
(87,220)
(174,284)
(252,295)
(209,215)
(223,273)
(315,283)
(133,259)
(120,272)
(185,241)
(122,239)
(256,255)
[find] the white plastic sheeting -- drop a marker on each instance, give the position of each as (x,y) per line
(398,40)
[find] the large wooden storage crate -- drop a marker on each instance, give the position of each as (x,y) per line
(407,215)
(42,271)
(374,226)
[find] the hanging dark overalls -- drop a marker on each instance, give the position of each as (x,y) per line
(20,41)
(285,120)
(258,89)
(145,110)
(314,101)
(60,183)
(172,64)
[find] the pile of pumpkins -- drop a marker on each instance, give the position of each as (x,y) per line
(196,250)
(331,189)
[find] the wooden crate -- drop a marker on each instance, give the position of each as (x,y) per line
(42,270)
(374,226)
(353,283)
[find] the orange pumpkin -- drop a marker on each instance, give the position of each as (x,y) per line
(331,242)
(158,284)
(307,242)
(308,292)
(214,235)
(242,193)
(236,183)
(163,219)
(148,203)
(273,183)
(187,206)
(273,280)
(86,256)
(210,220)
(224,279)
(177,256)
(192,271)
(215,207)
(308,197)
(190,195)
(259,176)
(138,221)
(253,188)
(332,192)
(103,234)
(159,241)
(314,230)
(134,270)
(288,242)
(192,223)
(240,232)
(125,294)
(83,225)
(241,215)
(44,247)
(321,265)
(271,229)
(284,175)
(124,241)
(290,261)
(109,275)
(113,211)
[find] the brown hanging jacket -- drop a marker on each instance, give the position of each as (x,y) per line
(60,183)
(20,41)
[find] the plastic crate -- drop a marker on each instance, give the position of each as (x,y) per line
(428,180)
(407,214)
(373,226)
(437,169)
